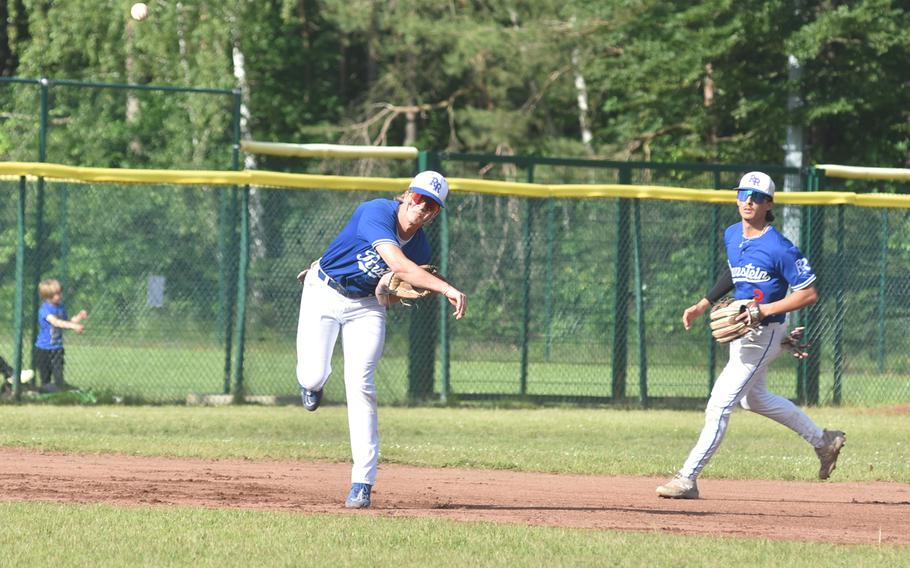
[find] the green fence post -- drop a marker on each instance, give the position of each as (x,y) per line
(20,291)
(40,238)
(640,307)
(803,314)
(621,289)
(712,278)
(838,284)
(530,206)
(444,306)
(445,384)
(226,257)
(548,278)
(424,329)
(37,259)
(882,288)
(227,214)
(814,331)
(813,247)
(242,269)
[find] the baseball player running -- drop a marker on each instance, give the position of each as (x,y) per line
(763,264)
(340,295)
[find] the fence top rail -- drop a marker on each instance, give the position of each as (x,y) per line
(856,172)
(20,80)
(266,179)
(123,86)
(345,151)
(615,164)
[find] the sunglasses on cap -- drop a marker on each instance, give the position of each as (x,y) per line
(430,203)
(757,196)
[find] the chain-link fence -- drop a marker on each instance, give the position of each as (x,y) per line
(191,288)
(861,256)
(107,244)
(570,299)
(145,262)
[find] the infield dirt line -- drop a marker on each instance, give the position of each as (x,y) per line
(803,511)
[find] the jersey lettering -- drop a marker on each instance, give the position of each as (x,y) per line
(749,273)
(371,264)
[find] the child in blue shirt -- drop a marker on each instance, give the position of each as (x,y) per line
(52,320)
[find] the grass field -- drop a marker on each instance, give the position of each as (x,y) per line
(95,535)
(559,440)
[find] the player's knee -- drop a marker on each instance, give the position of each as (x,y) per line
(755,403)
(364,396)
(311,378)
(715,411)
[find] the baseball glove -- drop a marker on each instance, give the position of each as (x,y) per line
(724,325)
(793,343)
(400,288)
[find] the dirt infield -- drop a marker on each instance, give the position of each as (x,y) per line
(828,512)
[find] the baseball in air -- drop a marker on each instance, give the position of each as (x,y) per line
(139,11)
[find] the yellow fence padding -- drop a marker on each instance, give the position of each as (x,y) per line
(12,170)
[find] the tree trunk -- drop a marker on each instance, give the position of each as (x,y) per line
(132,102)
(581,89)
(306,39)
(708,98)
(794,149)
(410,128)
(373,40)
(6,52)
(258,245)
(198,156)
(20,24)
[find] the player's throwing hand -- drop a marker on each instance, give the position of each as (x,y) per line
(694,312)
(458,299)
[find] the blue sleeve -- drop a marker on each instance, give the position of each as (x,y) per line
(795,268)
(377,225)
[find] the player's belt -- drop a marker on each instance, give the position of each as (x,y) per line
(331,283)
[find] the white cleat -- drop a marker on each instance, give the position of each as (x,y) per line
(679,488)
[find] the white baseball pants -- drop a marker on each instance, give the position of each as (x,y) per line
(745,381)
(323,313)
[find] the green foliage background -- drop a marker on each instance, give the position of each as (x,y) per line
(482,76)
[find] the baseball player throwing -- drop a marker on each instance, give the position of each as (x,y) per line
(763,265)
(346,291)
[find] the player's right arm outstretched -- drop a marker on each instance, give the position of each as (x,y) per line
(694,312)
(411,273)
(723,285)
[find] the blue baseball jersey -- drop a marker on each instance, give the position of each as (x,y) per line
(768,262)
(352,260)
(50,337)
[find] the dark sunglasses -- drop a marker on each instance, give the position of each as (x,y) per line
(757,197)
(418,198)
